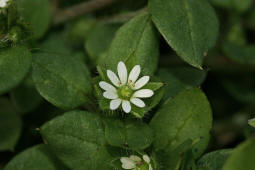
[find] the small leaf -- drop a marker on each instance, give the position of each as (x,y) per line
(135,43)
(10,126)
(252,122)
(38,157)
(214,160)
(62,80)
(180,78)
(14,65)
(99,40)
(25,97)
(128,134)
(189,26)
(243,157)
(187,116)
(37,14)
(236,5)
(240,54)
(78,139)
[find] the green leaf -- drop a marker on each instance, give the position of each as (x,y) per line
(14,65)
(128,134)
(240,54)
(78,139)
(10,126)
(37,14)
(187,116)
(241,89)
(135,43)
(38,157)
(180,78)
(243,157)
(172,158)
(252,122)
(99,40)
(214,160)
(62,80)
(25,97)
(236,5)
(189,26)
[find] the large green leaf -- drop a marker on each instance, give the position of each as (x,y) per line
(135,43)
(78,139)
(14,65)
(187,116)
(189,26)
(10,126)
(180,78)
(37,14)
(243,157)
(62,80)
(38,157)
(128,134)
(214,160)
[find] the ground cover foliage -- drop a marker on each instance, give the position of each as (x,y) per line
(183,97)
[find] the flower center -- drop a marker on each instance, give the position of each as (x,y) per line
(125,92)
(143,166)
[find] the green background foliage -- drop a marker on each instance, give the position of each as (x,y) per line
(199,55)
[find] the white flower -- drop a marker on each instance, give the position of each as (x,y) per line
(125,89)
(3,3)
(136,163)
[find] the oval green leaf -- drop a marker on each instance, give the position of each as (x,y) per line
(14,65)
(243,157)
(135,43)
(62,80)
(37,157)
(37,14)
(189,26)
(78,139)
(187,116)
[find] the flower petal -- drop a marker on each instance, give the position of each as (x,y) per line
(150,167)
(114,104)
(135,158)
(137,102)
(141,82)
(113,77)
(143,93)
(126,106)
(110,95)
(122,72)
(146,158)
(106,86)
(127,163)
(134,74)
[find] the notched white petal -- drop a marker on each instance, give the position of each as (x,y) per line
(106,86)
(122,72)
(141,82)
(135,158)
(134,74)
(138,102)
(143,93)
(113,77)
(146,158)
(110,95)
(114,104)
(126,106)
(127,163)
